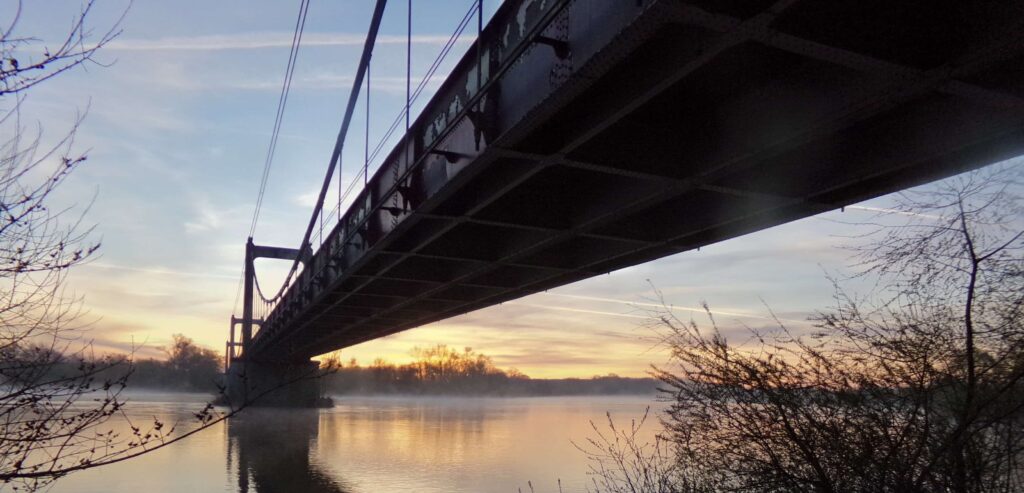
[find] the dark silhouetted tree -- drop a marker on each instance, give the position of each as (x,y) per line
(193,366)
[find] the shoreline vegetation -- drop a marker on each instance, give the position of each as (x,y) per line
(437,370)
(915,386)
(441,370)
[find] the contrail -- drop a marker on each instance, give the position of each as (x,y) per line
(671,307)
(575,310)
(255,41)
(891,211)
(160,272)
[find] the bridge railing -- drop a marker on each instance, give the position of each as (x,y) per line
(417,166)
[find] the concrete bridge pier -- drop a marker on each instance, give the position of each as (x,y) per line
(266,384)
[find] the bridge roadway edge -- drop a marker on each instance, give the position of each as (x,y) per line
(988,143)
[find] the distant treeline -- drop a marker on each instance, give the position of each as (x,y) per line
(443,370)
(187,367)
(435,371)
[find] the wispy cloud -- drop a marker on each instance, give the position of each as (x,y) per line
(206,219)
(158,271)
(262,40)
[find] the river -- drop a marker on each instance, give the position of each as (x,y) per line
(372,445)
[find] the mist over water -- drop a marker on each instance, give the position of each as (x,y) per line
(372,445)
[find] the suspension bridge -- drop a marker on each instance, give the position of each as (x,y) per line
(577,137)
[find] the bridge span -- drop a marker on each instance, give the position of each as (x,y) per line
(579,137)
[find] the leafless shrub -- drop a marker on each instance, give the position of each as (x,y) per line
(621,463)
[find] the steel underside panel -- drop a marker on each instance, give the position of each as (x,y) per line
(670,126)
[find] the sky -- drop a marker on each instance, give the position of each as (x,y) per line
(178,120)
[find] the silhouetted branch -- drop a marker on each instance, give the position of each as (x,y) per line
(20,71)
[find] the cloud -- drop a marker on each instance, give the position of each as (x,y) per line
(307,199)
(210,218)
(263,40)
(207,220)
(159,271)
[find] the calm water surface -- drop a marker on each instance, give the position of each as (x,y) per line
(372,445)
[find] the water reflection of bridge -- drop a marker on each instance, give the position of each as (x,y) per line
(272,451)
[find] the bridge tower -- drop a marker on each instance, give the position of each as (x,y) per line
(263,382)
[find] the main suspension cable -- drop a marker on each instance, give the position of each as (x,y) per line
(339,144)
(282,102)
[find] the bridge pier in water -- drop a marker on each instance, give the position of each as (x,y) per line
(274,384)
(250,381)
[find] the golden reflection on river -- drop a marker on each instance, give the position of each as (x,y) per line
(371,445)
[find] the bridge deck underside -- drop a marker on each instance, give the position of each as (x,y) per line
(704,123)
